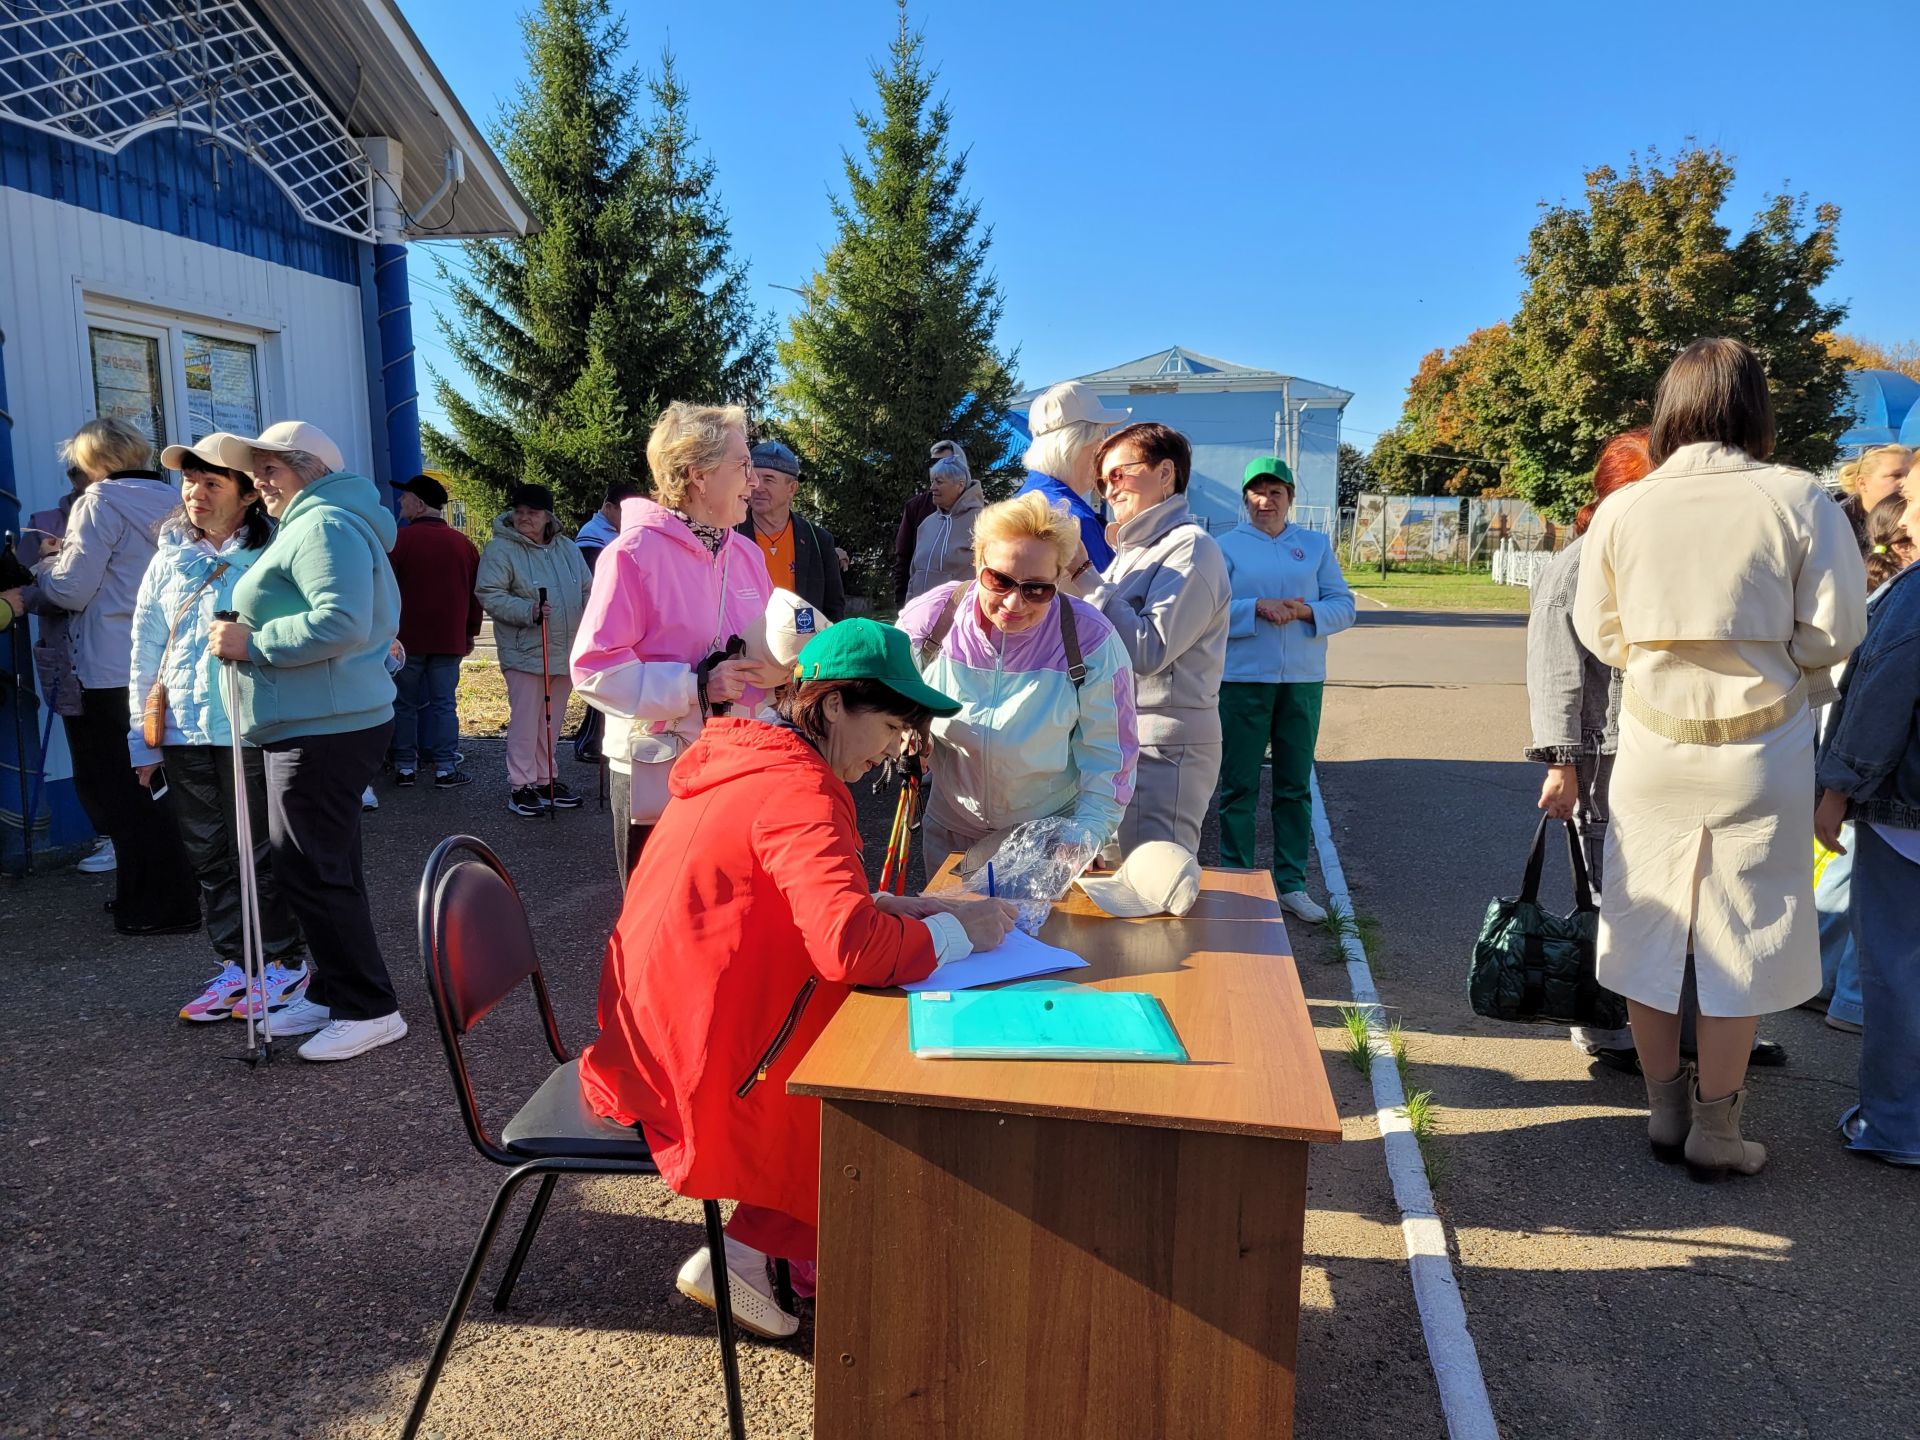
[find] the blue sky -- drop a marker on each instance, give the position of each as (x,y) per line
(1324,190)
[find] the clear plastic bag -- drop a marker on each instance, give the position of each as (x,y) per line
(1035,864)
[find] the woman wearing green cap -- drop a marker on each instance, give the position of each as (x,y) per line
(1288,597)
(748,920)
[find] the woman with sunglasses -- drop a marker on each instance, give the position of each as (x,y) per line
(1167,593)
(1045,686)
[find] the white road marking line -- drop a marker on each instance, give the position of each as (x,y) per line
(1443,1317)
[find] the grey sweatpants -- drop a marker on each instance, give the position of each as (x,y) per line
(1172,790)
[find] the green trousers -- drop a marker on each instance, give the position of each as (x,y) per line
(1254,718)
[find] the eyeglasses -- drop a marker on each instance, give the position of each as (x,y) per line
(1119,470)
(1036,592)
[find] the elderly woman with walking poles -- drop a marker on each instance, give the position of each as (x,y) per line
(207,546)
(659,648)
(1708,847)
(316,618)
(534,584)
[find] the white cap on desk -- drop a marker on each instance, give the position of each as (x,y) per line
(1158,878)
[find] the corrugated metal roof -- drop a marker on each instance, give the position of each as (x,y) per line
(1177,369)
(366,61)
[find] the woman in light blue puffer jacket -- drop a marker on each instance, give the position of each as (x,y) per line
(205,547)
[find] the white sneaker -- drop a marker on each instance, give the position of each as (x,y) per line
(344,1039)
(749,1288)
(369,800)
(101,862)
(1298,902)
(302,1017)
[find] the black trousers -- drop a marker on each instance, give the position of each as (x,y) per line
(629,839)
(153,884)
(202,788)
(313,826)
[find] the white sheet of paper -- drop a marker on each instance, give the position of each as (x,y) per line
(1018,957)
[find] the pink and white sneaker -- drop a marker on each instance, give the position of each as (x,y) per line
(283,987)
(216,1002)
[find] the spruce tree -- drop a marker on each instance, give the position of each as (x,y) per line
(624,297)
(895,347)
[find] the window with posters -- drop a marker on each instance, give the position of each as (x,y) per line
(176,380)
(128,380)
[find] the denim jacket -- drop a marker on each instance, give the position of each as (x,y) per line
(1573,698)
(1872,748)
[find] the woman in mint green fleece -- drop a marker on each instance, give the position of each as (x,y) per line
(318,614)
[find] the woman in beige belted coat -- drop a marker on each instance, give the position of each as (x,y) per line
(1724,587)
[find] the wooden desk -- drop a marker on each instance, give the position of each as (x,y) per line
(1056,1249)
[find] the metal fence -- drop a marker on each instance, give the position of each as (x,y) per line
(1444,530)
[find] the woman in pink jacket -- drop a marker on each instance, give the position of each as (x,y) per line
(658,646)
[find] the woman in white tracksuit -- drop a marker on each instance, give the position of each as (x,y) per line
(1046,723)
(1168,596)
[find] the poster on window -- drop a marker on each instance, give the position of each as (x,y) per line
(223,391)
(126,380)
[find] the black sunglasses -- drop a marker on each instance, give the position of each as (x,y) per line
(1037,592)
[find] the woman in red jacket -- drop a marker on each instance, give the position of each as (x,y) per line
(747,923)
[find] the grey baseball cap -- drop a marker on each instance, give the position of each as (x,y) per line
(772,455)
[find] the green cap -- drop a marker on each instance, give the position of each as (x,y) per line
(863,649)
(1268,467)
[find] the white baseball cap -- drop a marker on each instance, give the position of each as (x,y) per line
(1158,878)
(285,435)
(1069,404)
(229,452)
(778,634)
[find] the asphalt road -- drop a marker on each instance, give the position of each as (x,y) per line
(1608,1295)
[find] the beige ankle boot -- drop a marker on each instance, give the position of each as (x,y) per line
(1714,1149)
(1669,1114)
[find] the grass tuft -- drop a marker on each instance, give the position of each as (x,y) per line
(1397,1047)
(1359,1038)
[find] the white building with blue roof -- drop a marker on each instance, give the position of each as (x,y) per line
(204,213)
(1231,414)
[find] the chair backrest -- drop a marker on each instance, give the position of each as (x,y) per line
(478,948)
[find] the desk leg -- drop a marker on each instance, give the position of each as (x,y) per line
(986,1276)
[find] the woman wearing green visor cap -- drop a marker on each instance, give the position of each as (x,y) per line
(747,922)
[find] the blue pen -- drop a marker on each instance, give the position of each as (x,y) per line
(992,894)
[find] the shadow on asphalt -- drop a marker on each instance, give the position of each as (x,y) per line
(1607,1294)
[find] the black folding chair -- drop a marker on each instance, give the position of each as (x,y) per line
(478,948)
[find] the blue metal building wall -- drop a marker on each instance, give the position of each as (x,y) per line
(166,181)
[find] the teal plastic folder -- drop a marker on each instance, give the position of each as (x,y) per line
(1068,1023)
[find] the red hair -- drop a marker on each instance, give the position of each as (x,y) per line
(1623,459)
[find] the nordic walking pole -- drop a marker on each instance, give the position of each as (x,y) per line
(546,702)
(21,659)
(253,961)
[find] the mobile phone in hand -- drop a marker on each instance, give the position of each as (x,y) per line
(157,784)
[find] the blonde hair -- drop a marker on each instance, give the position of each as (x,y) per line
(103,446)
(1054,453)
(1851,472)
(1027,517)
(686,438)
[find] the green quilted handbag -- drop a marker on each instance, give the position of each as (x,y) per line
(1532,966)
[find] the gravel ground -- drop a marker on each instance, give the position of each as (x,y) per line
(195,1248)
